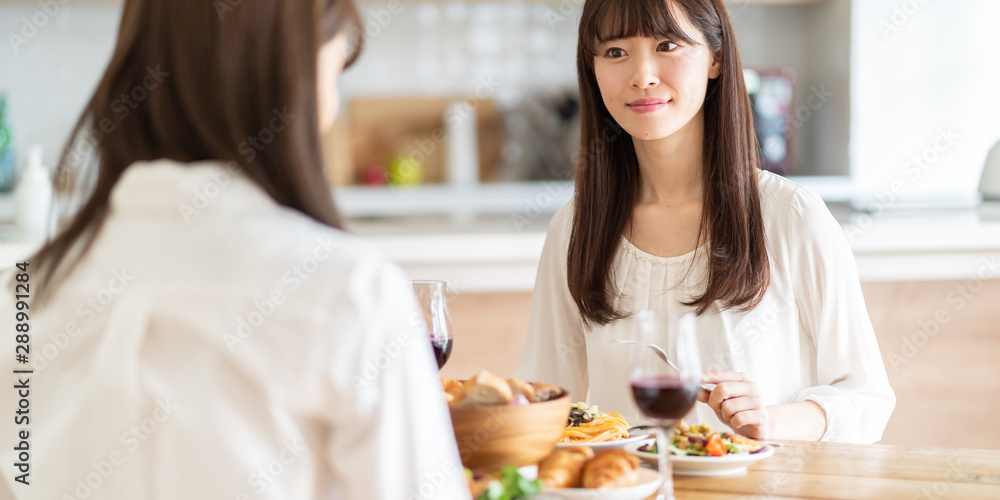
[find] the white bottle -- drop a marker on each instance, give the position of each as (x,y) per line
(461,155)
(33,199)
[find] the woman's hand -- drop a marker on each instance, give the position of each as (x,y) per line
(737,402)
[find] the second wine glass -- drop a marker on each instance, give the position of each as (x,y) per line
(665,391)
(433,299)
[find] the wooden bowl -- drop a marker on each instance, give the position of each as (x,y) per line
(493,436)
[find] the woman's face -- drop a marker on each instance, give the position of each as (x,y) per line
(332,57)
(654,87)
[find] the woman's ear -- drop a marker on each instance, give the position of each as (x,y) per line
(716,69)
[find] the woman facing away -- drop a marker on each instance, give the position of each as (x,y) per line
(672,212)
(202,328)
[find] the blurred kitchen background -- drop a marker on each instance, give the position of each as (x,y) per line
(460,122)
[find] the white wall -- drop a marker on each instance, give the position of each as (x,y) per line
(914,75)
(49,78)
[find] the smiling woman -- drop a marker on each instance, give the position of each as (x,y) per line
(673,213)
(700,81)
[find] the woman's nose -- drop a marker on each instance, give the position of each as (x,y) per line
(644,75)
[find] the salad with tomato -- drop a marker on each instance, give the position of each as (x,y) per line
(701,440)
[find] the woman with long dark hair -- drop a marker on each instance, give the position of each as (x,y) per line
(202,328)
(672,212)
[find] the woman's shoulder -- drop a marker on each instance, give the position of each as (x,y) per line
(786,204)
(564,216)
(797,222)
(561,223)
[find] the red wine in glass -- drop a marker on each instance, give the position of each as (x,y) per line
(433,300)
(665,371)
(442,350)
(665,398)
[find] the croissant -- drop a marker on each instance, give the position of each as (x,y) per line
(564,467)
(611,469)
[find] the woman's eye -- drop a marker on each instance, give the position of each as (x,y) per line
(615,53)
(667,46)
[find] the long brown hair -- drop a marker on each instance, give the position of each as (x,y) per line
(191,80)
(608,176)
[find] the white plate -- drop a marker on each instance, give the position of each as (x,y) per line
(649,481)
(703,466)
(605,445)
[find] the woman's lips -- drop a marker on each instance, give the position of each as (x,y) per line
(646,105)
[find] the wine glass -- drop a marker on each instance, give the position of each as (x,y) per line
(665,391)
(433,301)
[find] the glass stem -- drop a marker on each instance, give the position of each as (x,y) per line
(666,471)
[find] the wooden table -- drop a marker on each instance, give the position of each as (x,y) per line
(854,472)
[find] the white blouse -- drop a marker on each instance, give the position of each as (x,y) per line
(810,339)
(213,344)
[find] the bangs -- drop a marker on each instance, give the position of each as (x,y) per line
(618,19)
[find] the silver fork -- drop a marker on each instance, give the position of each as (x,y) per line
(662,355)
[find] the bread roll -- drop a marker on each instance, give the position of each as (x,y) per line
(518,386)
(453,390)
(611,469)
(564,467)
(545,392)
(485,389)
(452,386)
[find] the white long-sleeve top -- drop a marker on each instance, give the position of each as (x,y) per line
(213,344)
(810,339)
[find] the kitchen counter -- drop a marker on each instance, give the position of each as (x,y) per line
(497,253)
